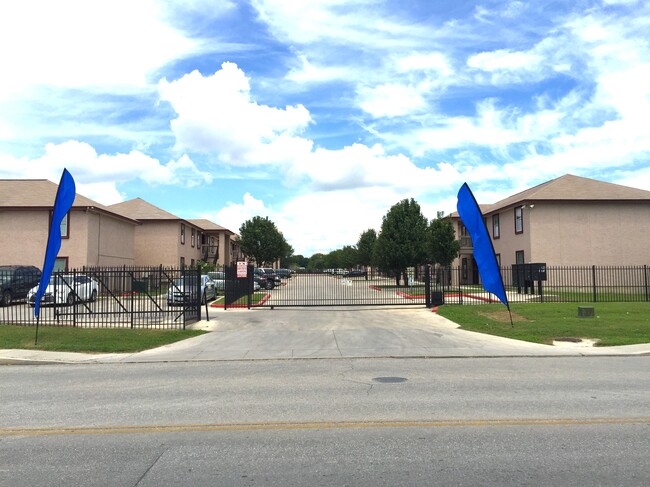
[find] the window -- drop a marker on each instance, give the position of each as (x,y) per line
(498,256)
(496,233)
(519,256)
(193,238)
(519,219)
(60,264)
(192,263)
(182,262)
(182,234)
(65,225)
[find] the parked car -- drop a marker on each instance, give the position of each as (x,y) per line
(16,281)
(181,291)
(66,289)
(271,274)
(356,273)
(219,279)
(283,273)
(264,281)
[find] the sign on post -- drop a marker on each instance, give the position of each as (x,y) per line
(242,270)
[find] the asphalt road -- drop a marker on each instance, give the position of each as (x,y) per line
(480,421)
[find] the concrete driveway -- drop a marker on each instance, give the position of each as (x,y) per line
(289,333)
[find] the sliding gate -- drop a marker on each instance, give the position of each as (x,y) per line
(330,289)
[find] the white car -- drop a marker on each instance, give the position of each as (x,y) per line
(182,292)
(219,279)
(66,289)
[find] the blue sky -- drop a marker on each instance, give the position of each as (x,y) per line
(321,115)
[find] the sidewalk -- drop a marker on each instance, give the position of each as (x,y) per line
(334,333)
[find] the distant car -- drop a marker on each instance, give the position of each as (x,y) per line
(272,274)
(219,279)
(66,289)
(265,281)
(338,272)
(181,291)
(16,281)
(283,273)
(356,273)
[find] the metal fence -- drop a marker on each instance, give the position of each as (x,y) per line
(426,286)
(124,297)
(566,284)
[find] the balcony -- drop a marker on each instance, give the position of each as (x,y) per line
(465,242)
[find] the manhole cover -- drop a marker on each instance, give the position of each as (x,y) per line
(389,380)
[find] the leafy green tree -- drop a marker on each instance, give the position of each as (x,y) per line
(402,241)
(443,245)
(348,257)
(261,241)
(316,262)
(365,246)
(295,262)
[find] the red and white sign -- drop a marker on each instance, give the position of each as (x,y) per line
(242,270)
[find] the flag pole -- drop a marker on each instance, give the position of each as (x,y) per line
(38,318)
(65,195)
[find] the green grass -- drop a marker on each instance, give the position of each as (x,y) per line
(243,301)
(614,324)
(89,340)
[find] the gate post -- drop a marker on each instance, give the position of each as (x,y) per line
(250,279)
(427,285)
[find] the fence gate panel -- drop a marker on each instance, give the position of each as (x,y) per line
(238,285)
(351,289)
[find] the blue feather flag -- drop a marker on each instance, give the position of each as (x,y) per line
(486,260)
(62,203)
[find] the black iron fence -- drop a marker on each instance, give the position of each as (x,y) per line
(431,286)
(542,283)
(151,297)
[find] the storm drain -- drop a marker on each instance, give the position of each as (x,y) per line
(389,380)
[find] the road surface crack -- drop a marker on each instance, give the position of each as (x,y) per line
(150,467)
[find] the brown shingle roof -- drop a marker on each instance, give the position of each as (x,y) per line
(140,209)
(35,193)
(40,194)
(207,225)
(574,188)
(569,188)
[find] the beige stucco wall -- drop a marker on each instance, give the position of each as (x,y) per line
(26,240)
(591,233)
(23,237)
(111,242)
(509,242)
(159,243)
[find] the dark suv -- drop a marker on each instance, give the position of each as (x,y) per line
(16,281)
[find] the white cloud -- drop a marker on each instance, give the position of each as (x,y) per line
(504,59)
(79,43)
(233,215)
(319,221)
(100,173)
(306,72)
(217,115)
(360,166)
(435,62)
(391,100)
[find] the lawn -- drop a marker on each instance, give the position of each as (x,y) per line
(614,323)
(242,302)
(89,340)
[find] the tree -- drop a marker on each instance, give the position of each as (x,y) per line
(316,262)
(443,245)
(295,262)
(365,246)
(402,241)
(261,241)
